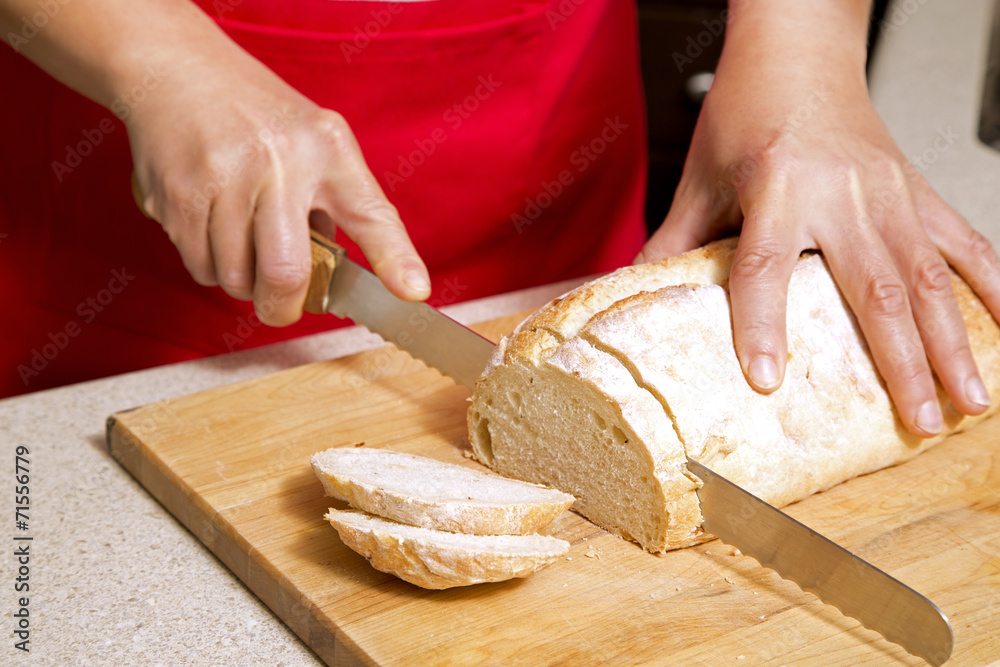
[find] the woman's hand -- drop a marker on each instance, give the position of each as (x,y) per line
(232,162)
(789,146)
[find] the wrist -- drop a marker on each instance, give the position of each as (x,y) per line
(792,43)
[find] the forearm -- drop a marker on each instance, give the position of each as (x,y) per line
(802,41)
(104,48)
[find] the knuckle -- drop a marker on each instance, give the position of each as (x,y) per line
(375,209)
(284,277)
(980,248)
(755,262)
(775,162)
(235,281)
(273,147)
(200,269)
(176,189)
(911,370)
(887,168)
(884,296)
(931,279)
(906,360)
(840,172)
(217,162)
(334,129)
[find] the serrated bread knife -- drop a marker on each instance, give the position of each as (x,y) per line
(342,287)
(822,567)
(776,540)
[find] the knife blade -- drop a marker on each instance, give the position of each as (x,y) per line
(341,287)
(822,567)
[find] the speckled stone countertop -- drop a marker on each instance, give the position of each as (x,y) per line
(115,580)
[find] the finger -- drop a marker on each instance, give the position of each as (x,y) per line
(353,198)
(231,235)
(281,242)
(758,289)
(939,321)
(968,251)
(184,218)
(375,226)
(693,220)
(874,289)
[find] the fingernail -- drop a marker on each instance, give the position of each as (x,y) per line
(763,372)
(416,281)
(929,418)
(976,392)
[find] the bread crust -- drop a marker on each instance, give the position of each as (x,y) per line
(667,326)
(437,559)
(432,494)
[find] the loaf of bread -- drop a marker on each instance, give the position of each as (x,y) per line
(420,491)
(604,392)
(438,559)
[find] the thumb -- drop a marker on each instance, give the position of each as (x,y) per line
(692,221)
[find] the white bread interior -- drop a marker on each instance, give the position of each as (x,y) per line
(421,491)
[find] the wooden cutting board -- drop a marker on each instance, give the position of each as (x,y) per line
(232,464)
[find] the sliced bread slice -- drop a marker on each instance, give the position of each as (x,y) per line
(424,492)
(438,559)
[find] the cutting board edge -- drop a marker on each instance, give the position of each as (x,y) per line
(221,539)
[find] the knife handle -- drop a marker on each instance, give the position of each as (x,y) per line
(325,254)
(324,260)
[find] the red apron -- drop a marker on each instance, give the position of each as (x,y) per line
(509,134)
